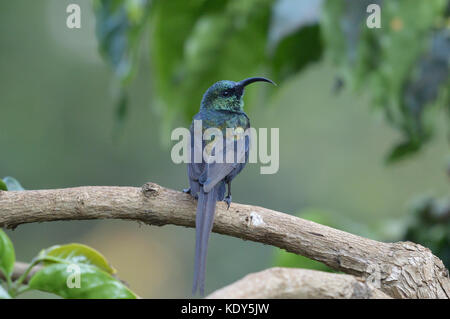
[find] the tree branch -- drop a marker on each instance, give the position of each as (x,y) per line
(293,283)
(19,270)
(403,269)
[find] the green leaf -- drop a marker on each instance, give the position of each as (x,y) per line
(404,63)
(7,254)
(402,150)
(119,28)
(290,56)
(76,254)
(4,294)
(121,114)
(12,184)
(80,267)
(119,25)
(3,186)
(90,282)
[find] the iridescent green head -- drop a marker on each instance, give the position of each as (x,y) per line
(227,95)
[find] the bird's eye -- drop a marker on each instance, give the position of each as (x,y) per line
(226,93)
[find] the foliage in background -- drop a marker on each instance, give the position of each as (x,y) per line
(283,258)
(404,64)
(59,263)
(195,43)
(429,224)
(119,28)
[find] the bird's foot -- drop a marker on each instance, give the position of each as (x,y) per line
(188,191)
(228,201)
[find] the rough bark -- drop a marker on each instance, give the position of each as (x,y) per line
(291,283)
(401,270)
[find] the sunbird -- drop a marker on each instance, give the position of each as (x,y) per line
(222,107)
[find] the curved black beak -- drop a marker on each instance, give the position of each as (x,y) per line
(248,81)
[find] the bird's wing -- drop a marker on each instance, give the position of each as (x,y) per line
(232,152)
(195,170)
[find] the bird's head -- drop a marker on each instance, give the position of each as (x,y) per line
(227,95)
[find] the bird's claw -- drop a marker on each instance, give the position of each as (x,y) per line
(189,191)
(228,201)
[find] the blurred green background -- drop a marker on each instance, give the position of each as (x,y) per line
(59,128)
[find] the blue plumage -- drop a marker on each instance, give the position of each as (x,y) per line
(221,108)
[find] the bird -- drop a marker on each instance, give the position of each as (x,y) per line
(221,107)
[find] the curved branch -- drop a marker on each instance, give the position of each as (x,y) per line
(19,270)
(298,283)
(402,270)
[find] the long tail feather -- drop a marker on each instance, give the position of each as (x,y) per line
(201,208)
(206,208)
